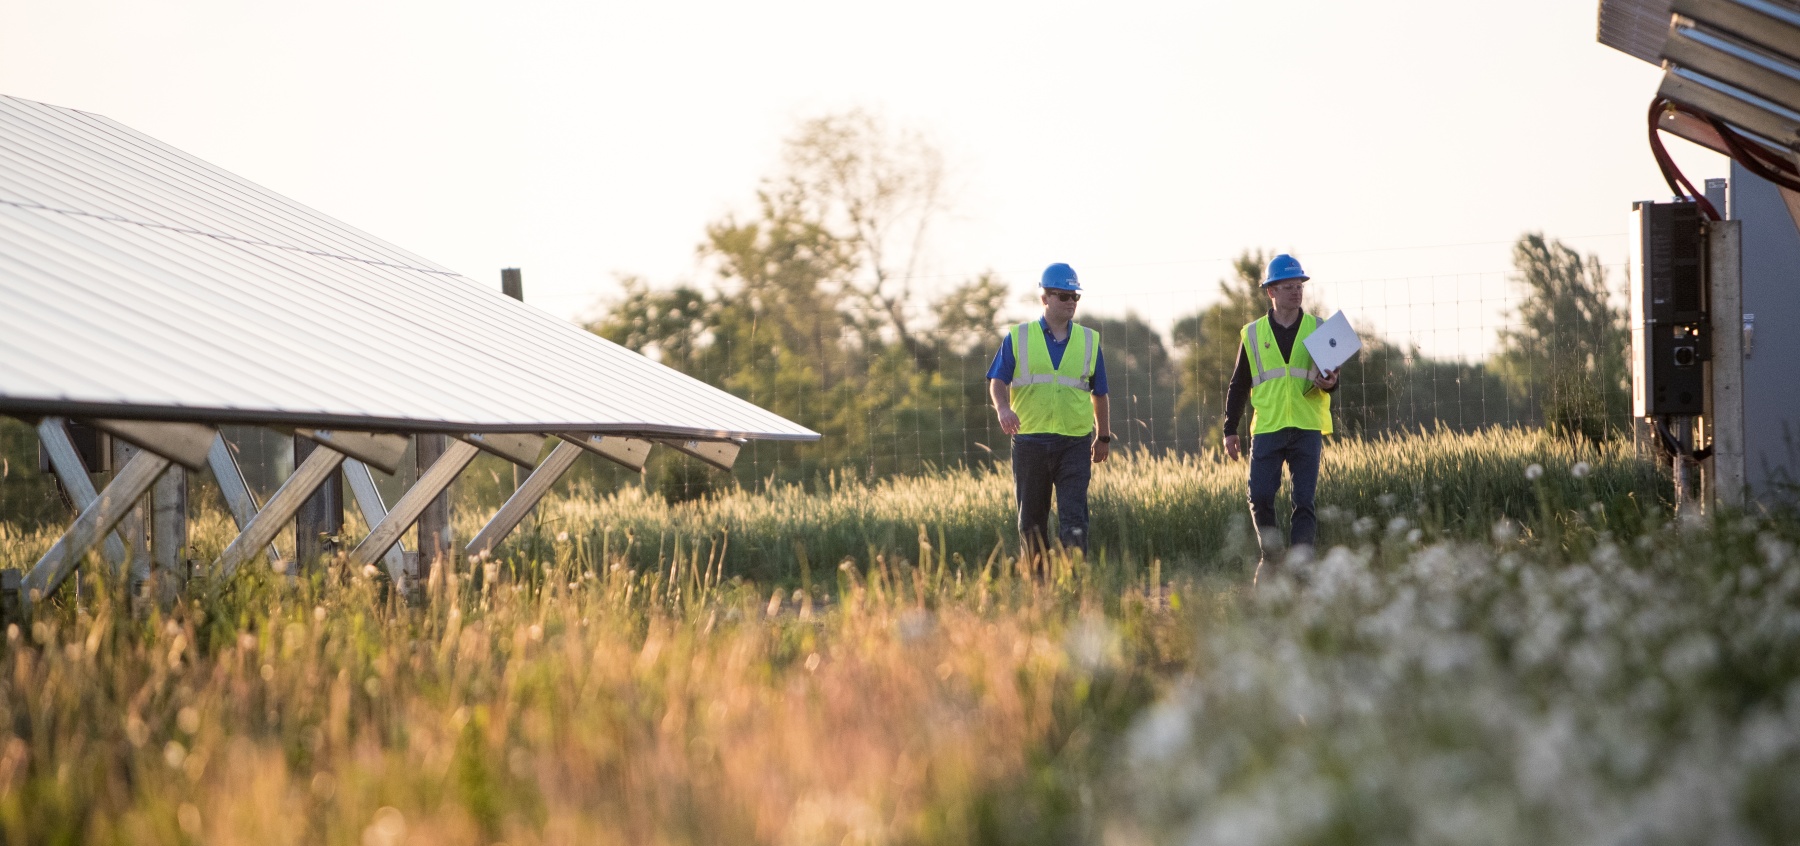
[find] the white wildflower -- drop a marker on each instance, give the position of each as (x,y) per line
(1534,471)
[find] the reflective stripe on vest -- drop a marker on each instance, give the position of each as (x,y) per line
(1284,397)
(1022,375)
(1259,374)
(1054,399)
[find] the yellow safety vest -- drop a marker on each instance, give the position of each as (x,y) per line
(1279,394)
(1054,400)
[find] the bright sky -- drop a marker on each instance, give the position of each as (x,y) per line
(1398,148)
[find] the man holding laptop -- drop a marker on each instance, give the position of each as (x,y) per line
(1290,397)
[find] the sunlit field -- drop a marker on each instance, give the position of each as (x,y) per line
(1507,640)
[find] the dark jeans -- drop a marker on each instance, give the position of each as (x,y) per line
(1300,450)
(1042,463)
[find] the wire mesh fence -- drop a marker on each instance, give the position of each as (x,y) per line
(1459,352)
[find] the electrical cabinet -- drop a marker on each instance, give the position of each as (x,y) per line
(1669,339)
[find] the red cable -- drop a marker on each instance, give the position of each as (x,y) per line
(1671,173)
(1756,158)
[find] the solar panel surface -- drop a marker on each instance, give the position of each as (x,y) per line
(138,281)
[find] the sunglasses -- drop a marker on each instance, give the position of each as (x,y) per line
(1066,297)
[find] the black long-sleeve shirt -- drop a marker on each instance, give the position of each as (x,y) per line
(1238,394)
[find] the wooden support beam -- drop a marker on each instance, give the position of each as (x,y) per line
(368,501)
(186,444)
(377,449)
(720,454)
(525,498)
(430,488)
(238,497)
(92,524)
(517,448)
(65,460)
(626,452)
(279,510)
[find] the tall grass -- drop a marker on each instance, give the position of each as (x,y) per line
(1189,512)
(1485,655)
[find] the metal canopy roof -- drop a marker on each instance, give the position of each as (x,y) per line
(137,281)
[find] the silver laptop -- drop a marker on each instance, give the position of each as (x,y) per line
(1333,342)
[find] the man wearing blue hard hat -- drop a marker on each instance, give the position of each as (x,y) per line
(1048,383)
(1290,401)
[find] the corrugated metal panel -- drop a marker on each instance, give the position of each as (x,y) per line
(1635,27)
(138,281)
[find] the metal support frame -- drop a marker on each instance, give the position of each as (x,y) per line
(92,524)
(361,482)
(238,496)
(65,460)
(432,483)
(280,508)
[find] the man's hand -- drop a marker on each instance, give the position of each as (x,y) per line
(1231,447)
(1101,450)
(1326,380)
(1009,422)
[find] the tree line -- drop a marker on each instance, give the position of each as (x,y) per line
(811,308)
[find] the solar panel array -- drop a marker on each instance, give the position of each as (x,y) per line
(137,281)
(1635,27)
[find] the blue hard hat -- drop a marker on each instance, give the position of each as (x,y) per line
(1282,268)
(1060,277)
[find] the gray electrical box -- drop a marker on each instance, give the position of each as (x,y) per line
(1668,310)
(1771,327)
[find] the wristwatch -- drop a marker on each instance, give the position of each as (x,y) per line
(1105,439)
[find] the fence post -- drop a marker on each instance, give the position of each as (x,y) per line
(512,284)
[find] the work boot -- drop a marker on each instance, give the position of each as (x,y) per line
(1273,551)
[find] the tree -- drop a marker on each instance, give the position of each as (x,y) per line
(811,311)
(1567,350)
(1207,344)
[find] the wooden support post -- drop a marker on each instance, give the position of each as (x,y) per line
(121,495)
(1725,470)
(433,518)
(134,526)
(169,531)
(320,520)
(279,510)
